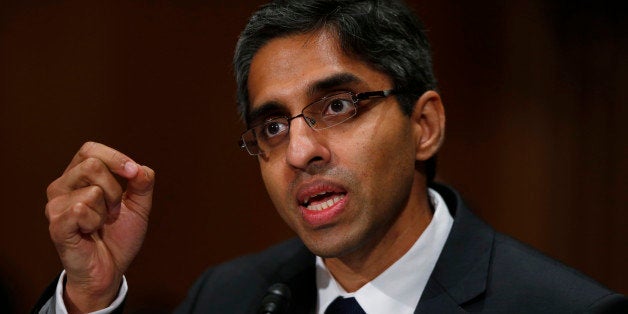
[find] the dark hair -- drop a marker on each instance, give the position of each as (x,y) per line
(383,33)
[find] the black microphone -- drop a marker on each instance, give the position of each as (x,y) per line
(276,301)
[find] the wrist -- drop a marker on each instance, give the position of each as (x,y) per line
(82,297)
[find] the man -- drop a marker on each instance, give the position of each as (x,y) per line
(342,114)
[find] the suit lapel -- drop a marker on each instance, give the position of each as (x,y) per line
(440,303)
(461,271)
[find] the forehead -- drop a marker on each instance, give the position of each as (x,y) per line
(288,70)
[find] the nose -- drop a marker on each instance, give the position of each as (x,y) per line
(306,146)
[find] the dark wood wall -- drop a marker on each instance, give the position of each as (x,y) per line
(535,94)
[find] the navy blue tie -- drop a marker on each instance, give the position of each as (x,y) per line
(344,306)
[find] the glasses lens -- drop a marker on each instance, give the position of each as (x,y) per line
(330,111)
(262,138)
(249,141)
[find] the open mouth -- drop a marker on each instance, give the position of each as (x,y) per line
(322,201)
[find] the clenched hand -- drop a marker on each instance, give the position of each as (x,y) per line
(97,227)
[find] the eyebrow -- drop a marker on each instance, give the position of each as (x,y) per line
(332,82)
(324,85)
(263,111)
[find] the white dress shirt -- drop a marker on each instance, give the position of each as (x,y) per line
(399,288)
(396,290)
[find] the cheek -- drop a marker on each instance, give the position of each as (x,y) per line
(276,187)
(274,182)
(383,159)
(375,146)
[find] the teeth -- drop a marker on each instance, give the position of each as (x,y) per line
(325,205)
(315,195)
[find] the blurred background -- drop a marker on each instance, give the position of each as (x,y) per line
(535,93)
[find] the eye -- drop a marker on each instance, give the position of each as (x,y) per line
(274,127)
(338,106)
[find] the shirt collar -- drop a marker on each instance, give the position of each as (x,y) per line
(399,288)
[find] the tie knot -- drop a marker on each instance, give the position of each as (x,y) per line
(344,306)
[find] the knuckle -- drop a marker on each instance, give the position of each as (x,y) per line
(51,189)
(52,209)
(92,165)
(79,210)
(47,211)
(52,229)
(94,192)
(85,149)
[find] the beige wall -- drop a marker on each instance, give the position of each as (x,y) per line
(535,96)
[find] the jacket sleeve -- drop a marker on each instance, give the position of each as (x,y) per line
(46,302)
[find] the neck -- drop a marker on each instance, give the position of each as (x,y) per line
(354,270)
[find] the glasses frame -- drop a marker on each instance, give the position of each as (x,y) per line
(356,98)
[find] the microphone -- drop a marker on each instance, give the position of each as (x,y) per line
(276,301)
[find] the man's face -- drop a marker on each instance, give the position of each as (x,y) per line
(340,189)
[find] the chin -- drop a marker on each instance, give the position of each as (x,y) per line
(330,247)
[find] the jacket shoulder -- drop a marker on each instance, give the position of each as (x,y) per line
(238,285)
(522,275)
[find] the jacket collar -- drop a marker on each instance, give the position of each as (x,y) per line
(461,271)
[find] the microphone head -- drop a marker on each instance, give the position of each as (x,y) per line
(277,300)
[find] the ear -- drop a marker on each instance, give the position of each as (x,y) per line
(428,120)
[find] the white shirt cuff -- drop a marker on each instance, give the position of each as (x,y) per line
(60,305)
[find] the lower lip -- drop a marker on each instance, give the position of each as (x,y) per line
(319,218)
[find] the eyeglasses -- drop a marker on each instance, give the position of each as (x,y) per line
(322,114)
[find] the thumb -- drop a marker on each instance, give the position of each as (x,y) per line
(139,190)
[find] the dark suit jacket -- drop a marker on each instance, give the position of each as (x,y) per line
(479,270)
